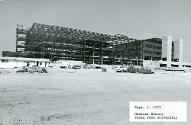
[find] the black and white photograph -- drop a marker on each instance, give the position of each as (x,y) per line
(95,62)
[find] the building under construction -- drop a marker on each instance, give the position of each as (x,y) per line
(57,43)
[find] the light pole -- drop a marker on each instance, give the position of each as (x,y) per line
(136,61)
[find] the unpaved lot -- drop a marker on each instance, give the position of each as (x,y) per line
(85,97)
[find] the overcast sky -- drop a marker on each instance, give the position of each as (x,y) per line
(138,19)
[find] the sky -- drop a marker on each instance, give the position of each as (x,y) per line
(139,19)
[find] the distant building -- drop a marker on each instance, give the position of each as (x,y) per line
(15,62)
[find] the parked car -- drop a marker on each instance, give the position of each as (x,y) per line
(120,68)
(76,67)
(145,70)
(63,67)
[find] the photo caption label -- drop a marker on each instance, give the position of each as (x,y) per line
(157,111)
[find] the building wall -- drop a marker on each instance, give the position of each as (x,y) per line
(152,49)
(178,47)
(151,64)
(167,49)
(18,63)
(9,63)
(181,49)
(177,50)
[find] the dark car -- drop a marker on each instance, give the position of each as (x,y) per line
(76,67)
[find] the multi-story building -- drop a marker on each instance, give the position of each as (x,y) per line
(63,43)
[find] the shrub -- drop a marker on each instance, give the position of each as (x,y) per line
(33,69)
(104,70)
(21,70)
(44,70)
(131,69)
(24,69)
(39,70)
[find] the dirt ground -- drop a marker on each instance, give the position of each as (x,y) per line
(85,97)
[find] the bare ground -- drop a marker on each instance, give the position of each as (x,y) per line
(85,97)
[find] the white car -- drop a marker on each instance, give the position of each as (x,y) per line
(120,68)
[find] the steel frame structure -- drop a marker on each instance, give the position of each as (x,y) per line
(56,42)
(64,43)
